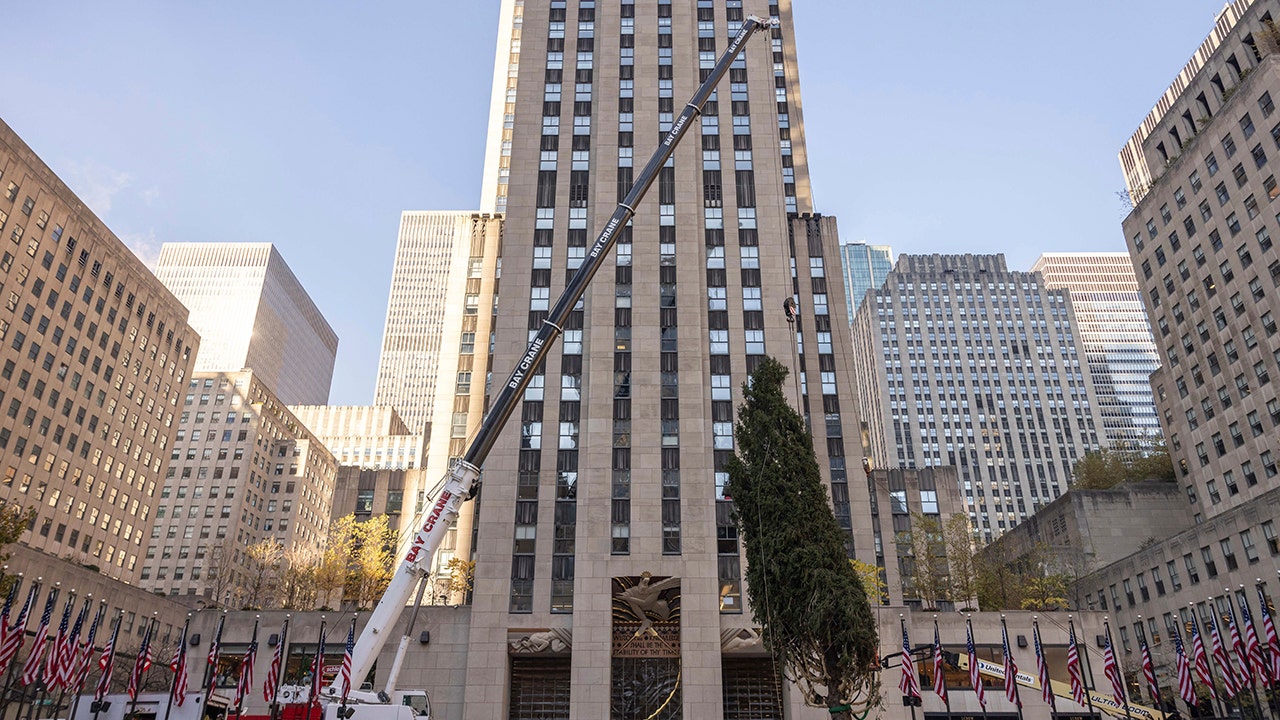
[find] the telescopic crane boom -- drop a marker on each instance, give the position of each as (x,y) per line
(463,479)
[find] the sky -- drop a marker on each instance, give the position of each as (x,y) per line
(932,126)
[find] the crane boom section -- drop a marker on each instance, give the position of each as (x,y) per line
(463,480)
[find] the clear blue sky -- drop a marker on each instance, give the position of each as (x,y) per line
(933,126)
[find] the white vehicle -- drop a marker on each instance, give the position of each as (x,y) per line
(463,479)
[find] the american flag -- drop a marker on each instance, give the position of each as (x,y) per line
(178,665)
(15,634)
(107,662)
(1149,674)
(8,606)
(1112,671)
(1273,640)
(1186,690)
(245,685)
(83,658)
(351,646)
(215,653)
(1073,669)
(1220,658)
(1253,649)
(1244,679)
(1042,667)
(939,666)
(53,663)
(1010,669)
(141,664)
(67,656)
(317,669)
(31,670)
(907,684)
(1203,674)
(277,660)
(975,677)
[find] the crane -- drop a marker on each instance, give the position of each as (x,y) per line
(463,480)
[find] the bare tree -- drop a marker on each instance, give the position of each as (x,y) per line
(298,590)
(224,581)
(957,534)
(262,573)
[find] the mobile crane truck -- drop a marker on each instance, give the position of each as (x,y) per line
(463,480)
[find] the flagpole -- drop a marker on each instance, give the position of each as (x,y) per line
(317,670)
(1040,658)
(79,684)
(1225,702)
(284,661)
(1233,700)
(51,600)
(73,640)
(1260,588)
(144,648)
(182,648)
(1247,614)
(1008,653)
(907,665)
(1075,644)
(4,697)
(1106,626)
(104,681)
(211,664)
(1253,684)
(946,696)
(252,643)
(968,620)
(1146,649)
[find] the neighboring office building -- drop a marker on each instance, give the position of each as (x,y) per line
(364,436)
(252,313)
(865,268)
(960,361)
(638,399)
(1201,171)
(1116,336)
(243,470)
(96,354)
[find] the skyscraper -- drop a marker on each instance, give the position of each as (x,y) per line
(865,268)
(1117,340)
(243,470)
(1201,171)
(613,480)
(960,361)
(251,312)
(96,355)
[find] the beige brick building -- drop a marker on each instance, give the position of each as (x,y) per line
(95,356)
(243,470)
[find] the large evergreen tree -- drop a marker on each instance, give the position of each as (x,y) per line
(806,597)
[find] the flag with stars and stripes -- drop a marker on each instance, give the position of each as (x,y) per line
(33,667)
(317,670)
(1252,648)
(1273,640)
(178,666)
(1112,670)
(107,662)
(141,664)
(277,661)
(245,684)
(1042,668)
(1186,689)
(1073,669)
(939,666)
(1201,658)
(908,683)
(346,662)
(84,657)
(52,663)
(975,677)
(1010,670)
(1244,678)
(67,655)
(15,634)
(1222,661)
(1149,673)
(8,607)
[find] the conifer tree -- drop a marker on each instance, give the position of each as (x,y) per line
(807,598)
